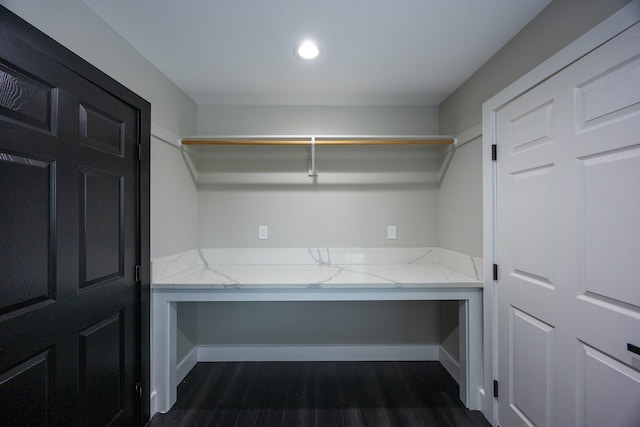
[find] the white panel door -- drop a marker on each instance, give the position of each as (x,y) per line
(568,244)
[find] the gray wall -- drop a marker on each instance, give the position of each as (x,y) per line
(560,23)
(319,323)
(371,120)
(359,190)
(174,201)
(460,199)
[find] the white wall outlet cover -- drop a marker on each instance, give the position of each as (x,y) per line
(263,232)
(391,232)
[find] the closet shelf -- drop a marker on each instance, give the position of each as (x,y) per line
(312,141)
(318,140)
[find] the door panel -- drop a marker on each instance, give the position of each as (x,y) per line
(27,256)
(531,368)
(32,383)
(70,351)
(531,129)
(608,180)
(100,131)
(598,376)
(614,94)
(531,193)
(27,101)
(102,227)
(102,362)
(568,243)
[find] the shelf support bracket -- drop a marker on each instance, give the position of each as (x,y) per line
(313,170)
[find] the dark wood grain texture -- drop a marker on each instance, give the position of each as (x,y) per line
(319,394)
(74,208)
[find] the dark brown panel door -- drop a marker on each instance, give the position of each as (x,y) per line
(71,337)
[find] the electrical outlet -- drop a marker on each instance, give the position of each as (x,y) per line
(263,232)
(391,232)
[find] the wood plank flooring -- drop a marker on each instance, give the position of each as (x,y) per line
(319,394)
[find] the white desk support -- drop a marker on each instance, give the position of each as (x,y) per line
(165,299)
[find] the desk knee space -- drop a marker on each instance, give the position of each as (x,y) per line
(164,301)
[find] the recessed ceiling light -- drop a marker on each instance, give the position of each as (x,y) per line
(307,50)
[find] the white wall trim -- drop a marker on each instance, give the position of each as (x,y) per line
(153,403)
(624,18)
(186,364)
(469,135)
(172,139)
(462,139)
(316,353)
(165,135)
(449,363)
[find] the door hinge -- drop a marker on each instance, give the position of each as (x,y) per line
(138,391)
(139,151)
(137,273)
(495,388)
(494,152)
(495,272)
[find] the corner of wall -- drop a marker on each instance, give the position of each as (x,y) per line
(174,218)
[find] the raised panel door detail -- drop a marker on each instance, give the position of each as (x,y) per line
(531,196)
(532,368)
(531,129)
(102,372)
(102,231)
(26,101)
(610,217)
(599,377)
(27,231)
(610,95)
(25,391)
(101,131)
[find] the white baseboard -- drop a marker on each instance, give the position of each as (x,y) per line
(318,353)
(315,353)
(187,364)
(449,363)
(153,403)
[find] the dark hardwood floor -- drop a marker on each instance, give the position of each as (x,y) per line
(319,394)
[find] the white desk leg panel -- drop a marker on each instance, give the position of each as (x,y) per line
(463,354)
(470,335)
(165,325)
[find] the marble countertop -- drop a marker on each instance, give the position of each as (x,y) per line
(315,268)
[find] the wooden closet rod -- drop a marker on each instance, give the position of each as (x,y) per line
(318,141)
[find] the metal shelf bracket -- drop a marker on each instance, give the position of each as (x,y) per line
(313,169)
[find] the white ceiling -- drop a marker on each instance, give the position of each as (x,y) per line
(374,52)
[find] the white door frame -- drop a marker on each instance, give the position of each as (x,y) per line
(609,28)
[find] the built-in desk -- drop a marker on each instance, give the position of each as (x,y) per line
(396,274)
